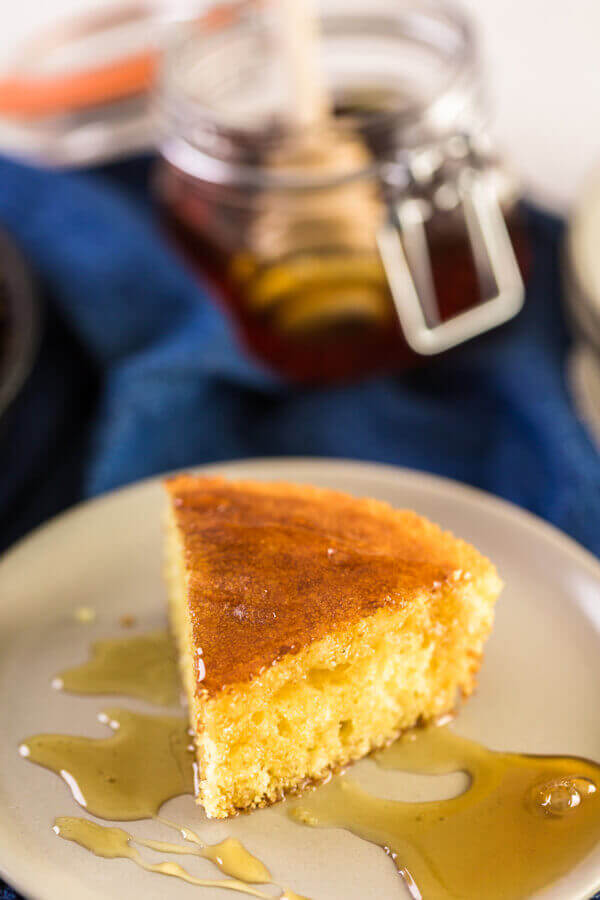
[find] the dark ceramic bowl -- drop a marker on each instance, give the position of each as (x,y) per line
(19,322)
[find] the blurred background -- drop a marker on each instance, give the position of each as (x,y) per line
(225,235)
(542,68)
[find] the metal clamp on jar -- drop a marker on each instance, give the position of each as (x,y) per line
(467,187)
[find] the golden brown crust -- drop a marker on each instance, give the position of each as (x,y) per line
(273,567)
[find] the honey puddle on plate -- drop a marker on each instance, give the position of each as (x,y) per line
(143,666)
(147,761)
(129,775)
(522,822)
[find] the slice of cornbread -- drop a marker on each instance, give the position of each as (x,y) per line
(312,627)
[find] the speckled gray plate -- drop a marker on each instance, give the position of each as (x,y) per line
(538,690)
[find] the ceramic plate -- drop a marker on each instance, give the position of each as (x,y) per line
(538,688)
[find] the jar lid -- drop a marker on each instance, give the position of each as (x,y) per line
(582,292)
(78,92)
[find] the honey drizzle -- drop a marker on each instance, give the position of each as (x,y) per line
(523,821)
(142,666)
(536,817)
(115,843)
(229,855)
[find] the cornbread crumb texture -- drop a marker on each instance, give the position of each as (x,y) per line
(313,627)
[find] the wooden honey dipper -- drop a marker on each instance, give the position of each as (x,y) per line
(326,235)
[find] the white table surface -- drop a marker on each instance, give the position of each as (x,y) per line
(543,67)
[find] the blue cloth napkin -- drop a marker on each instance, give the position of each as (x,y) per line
(139,373)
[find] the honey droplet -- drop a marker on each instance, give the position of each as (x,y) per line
(560,796)
(84,614)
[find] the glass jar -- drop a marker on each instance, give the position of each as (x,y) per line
(390,235)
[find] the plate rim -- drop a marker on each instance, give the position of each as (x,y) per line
(476,497)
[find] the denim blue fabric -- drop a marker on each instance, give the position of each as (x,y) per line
(139,372)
